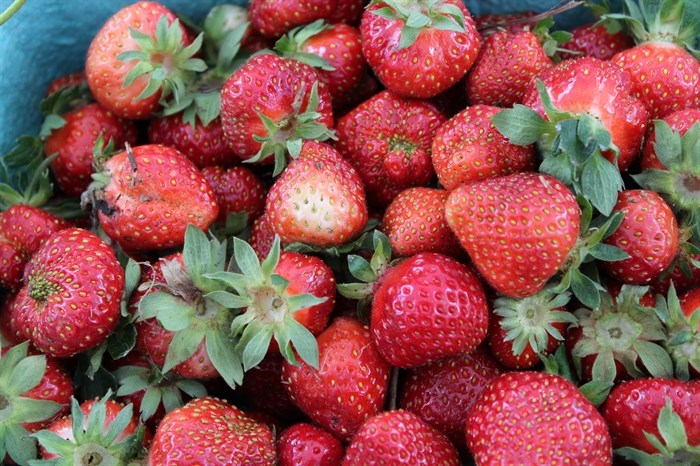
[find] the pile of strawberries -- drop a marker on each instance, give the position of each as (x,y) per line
(325,233)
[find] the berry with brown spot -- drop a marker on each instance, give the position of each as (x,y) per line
(536,418)
(70,301)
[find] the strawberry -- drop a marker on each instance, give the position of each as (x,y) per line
(96,429)
(270,105)
(213,432)
(74,79)
(442,392)
(653,415)
(237,189)
(399,437)
(261,236)
(549,421)
(144,206)
(527,240)
(35,391)
(334,50)
(601,41)
(522,329)
(205,145)
(387,139)
(23,230)
(70,301)
(75,140)
(347,11)
(273,18)
(648,234)
(419,49)
(425,308)
(415,222)
(319,199)
(350,383)
(679,122)
(468,148)
(305,444)
(140,55)
(664,72)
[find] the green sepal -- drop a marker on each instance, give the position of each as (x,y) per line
(183,345)
(59,103)
(32,410)
(522,125)
(290,45)
(220,348)
(17,444)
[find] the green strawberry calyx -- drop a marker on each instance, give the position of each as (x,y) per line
(269,308)
(418,15)
(683,342)
(290,45)
(168,65)
(672,447)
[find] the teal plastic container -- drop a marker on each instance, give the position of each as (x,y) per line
(49,38)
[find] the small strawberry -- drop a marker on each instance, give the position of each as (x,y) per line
(34,392)
(648,233)
(273,18)
(263,389)
(657,417)
(387,139)
(442,392)
(238,190)
(147,195)
(549,422)
(415,222)
(399,437)
(74,79)
(416,48)
(140,55)
(304,444)
(270,105)
(518,229)
(468,148)
(681,316)
(70,301)
(601,41)
(96,430)
(663,67)
(319,199)
(350,383)
(212,432)
(261,236)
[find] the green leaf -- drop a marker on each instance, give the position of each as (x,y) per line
(600,183)
(671,428)
(150,402)
(303,301)
(221,352)
(408,36)
(361,269)
(272,260)
(176,318)
(156,302)
(52,442)
(182,347)
(607,252)
(132,277)
(247,260)
(604,369)
(121,341)
(656,360)
(196,255)
(596,391)
(18,444)
(26,375)
(171,399)
(229,300)
(256,347)
(586,290)
(33,410)
(304,342)
(521,125)
(192,388)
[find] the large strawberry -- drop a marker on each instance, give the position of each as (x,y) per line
(418,48)
(663,67)
(70,301)
(350,383)
(147,195)
(518,229)
(270,105)
(387,138)
(399,437)
(140,55)
(319,199)
(548,422)
(213,432)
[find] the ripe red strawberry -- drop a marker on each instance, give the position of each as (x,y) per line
(468,148)
(648,233)
(70,301)
(238,190)
(36,391)
(140,55)
(23,230)
(273,18)
(387,139)
(213,432)
(526,241)
(75,140)
(319,199)
(418,49)
(270,105)
(680,122)
(146,196)
(350,384)
(664,73)
(76,78)
(442,392)
(427,307)
(506,64)
(101,429)
(634,410)
(334,50)
(261,237)
(263,389)
(548,420)
(399,437)
(205,145)
(598,41)
(305,444)
(347,11)
(415,222)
